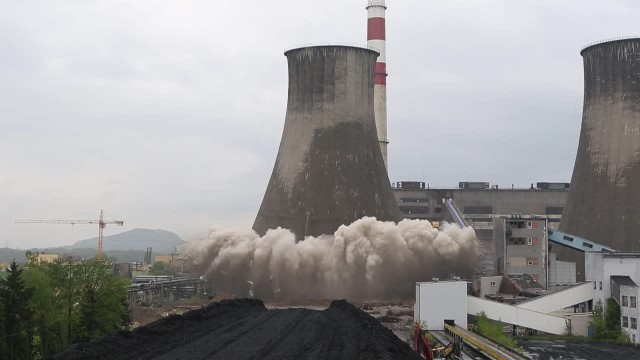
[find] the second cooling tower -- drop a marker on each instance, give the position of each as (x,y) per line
(604,200)
(329,170)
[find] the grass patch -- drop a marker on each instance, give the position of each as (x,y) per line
(493,329)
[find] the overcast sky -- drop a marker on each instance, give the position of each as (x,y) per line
(168,114)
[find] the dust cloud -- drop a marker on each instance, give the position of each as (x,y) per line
(366,260)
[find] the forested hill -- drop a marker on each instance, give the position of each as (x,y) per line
(128,246)
(161,241)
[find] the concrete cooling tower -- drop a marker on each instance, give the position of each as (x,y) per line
(329,170)
(604,201)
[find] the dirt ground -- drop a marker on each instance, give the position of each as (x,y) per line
(247,329)
(397,316)
(144,315)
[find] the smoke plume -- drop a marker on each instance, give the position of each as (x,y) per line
(366,260)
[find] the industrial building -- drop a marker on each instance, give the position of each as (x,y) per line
(521,246)
(617,275)
(480,201)
(484,207)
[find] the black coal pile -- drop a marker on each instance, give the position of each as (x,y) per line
(245,329)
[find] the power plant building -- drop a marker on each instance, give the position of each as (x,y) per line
(481,204)
(521,247)
(617,275)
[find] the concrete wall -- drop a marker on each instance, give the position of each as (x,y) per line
(601,266)
(440,301)
(561,272)
(513,252)
(604,204)
(329,170)
(630,312)
(599,269)
(517,316)
(489,285)
(580,324)
(501,201)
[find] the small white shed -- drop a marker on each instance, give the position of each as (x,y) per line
(437,302)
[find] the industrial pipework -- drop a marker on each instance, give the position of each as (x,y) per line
(376,38)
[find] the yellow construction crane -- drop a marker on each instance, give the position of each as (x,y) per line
(102,223)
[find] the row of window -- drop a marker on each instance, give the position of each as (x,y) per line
(521,241)
(625,301)
(417,210)
(625,322)
(519,224)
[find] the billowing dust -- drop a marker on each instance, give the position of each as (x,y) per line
(366,260)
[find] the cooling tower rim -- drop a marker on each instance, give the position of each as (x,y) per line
(600,42)
(333,44)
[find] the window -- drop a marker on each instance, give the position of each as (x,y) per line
(634,323)
(530,263)
(600,285)
(633,302)
(529,225)
(625,322)
(625,300)
(493,283)
(529,241)
(594,285)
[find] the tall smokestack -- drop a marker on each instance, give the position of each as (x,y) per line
(329,170)
(376,38)
(604,200)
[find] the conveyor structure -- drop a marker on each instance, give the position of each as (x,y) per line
(575,242)
(455,213)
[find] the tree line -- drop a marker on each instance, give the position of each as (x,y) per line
(47,306)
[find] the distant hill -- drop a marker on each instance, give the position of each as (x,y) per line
(128,246)
(8,254)
(161,241)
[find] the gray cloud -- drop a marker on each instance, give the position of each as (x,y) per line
(169,114)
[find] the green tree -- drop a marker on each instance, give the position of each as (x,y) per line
(597,321)
(75,302)
(161,268)
(18,317)
(49,320)
(88,315)
(612,316)
(606,322)
(3,349)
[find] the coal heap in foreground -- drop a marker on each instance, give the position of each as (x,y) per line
(245,329)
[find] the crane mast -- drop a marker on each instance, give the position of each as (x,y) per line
(102,223)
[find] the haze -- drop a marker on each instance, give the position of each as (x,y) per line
(168,114)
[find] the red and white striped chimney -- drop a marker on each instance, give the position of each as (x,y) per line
(376,38)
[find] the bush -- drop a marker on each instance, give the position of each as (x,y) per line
(606,323)
(493,329)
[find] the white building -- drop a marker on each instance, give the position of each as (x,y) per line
(616,275)
(440,302)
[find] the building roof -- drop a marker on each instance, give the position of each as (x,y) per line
(623,281)
(526,284)
(620,254)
